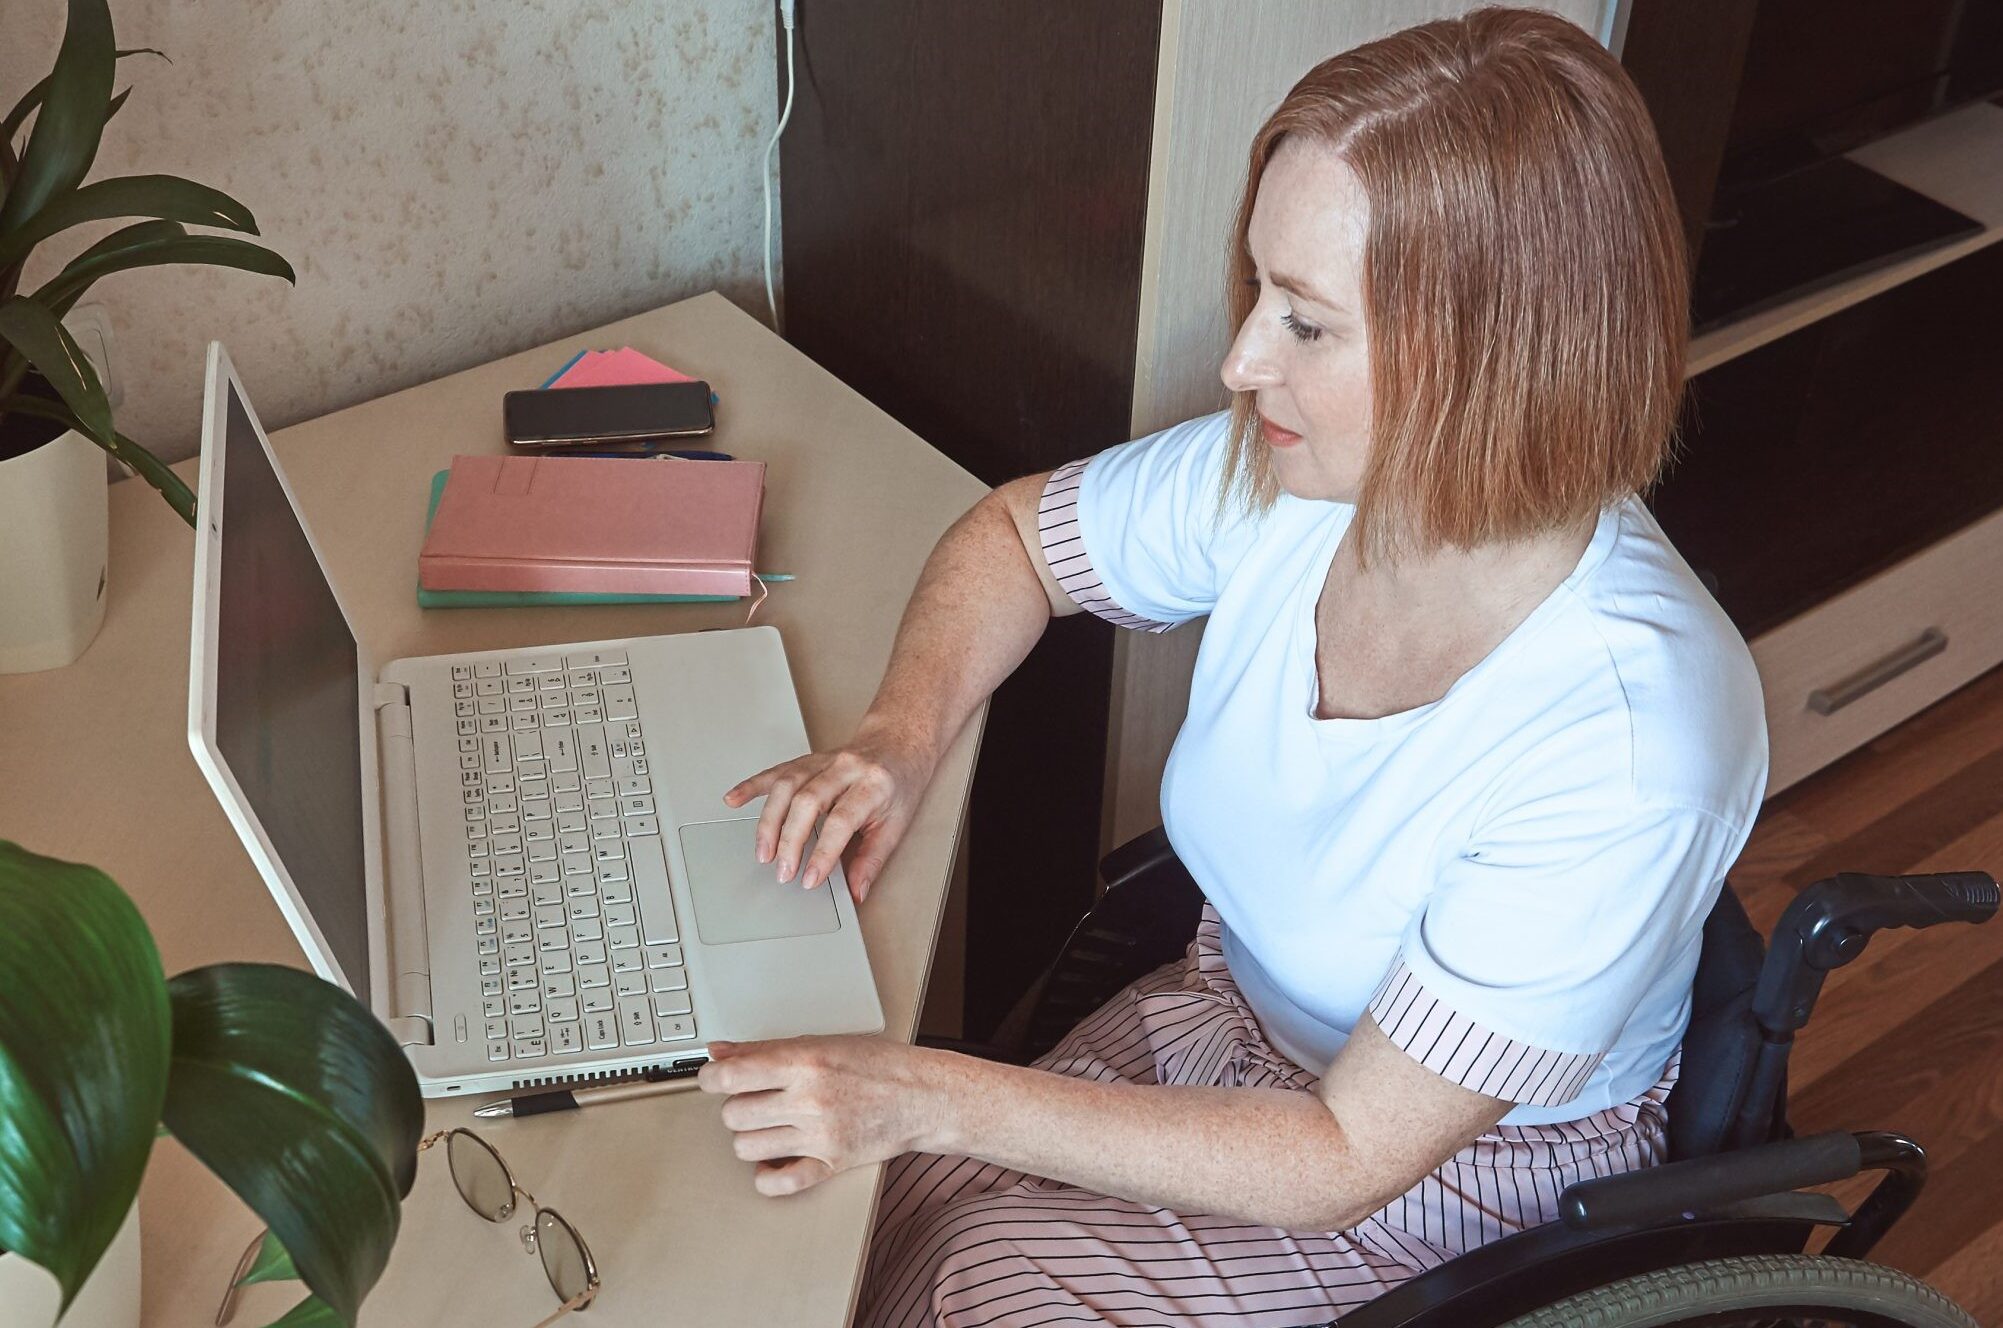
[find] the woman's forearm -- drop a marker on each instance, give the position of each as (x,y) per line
(1267,1155)
(979,608)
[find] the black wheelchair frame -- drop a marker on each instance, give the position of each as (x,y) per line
(1735,1179)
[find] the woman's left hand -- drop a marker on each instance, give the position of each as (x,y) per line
(806,1108)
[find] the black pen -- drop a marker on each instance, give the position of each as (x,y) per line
(668,1079)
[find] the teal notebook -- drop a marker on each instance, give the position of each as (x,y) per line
(522,599)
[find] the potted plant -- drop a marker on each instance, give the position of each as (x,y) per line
(282,1084)
(54,413)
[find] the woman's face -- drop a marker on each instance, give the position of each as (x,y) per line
(1302,351)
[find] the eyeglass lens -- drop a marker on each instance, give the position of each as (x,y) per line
(562,1255)
(481,1176)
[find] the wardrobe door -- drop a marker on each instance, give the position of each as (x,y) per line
(964,188)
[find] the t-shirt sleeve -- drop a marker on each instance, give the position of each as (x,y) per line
(1537,945)
(1134,534)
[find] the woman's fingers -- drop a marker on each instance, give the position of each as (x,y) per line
(786,782)
(780,1141)
(809,802)
(853,810)
(870,852)
(792,1176)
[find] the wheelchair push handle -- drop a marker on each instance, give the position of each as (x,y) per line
(1829,923)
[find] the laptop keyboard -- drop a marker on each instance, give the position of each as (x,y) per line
(578,945)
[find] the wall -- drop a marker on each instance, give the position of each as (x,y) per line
(1223,68)
(452,180)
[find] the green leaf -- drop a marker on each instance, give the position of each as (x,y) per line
(83,1060)
(33,97)
(47,345)
(122,450)
(167,196)
(301,1101)
(152,244)
(311,1312)
(273,1264)
(74,103)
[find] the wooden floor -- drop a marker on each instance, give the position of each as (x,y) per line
(1910,1036)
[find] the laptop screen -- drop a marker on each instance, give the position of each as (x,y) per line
(287,699)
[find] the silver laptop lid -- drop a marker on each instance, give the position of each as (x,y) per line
(280,696)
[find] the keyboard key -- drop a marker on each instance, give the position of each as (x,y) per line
(590,952)
(588,714)
(615,673)
(495,1007)
(605,829)
(542,845)
(560,718)
(623,938)
(566,1039)
(522,686)
(676,1028)
(528,746)
(616,892)
(461,672)
(464,708)
(488,687)
(497,757)
(598,788)
(637,826)
(587,929)
(529,1049)
(514,910)
(514,888)
(627,962)
(561,1010)
(496,1028)
(586,696)
(635,786)
(547,917)
(550,682)
(576,863)
(601,1031)
(544,873)
(521,980)
(534,664)
(519,722)
(490,724)
(621,915)
(594,659)
(553,961)
(468,728)
(612,871)
(597,1000)
(537,809)
(620,703)
(505,844)
(664,956)
(629,984)
(582,907)
(574,886)
(526,1001)
(597,809)
(568,823)
(558,984)
(583,677)
(636,1023)
(497,1051)
(668,1002)
(650,887)
(546,892)
(516,933)
(490,986)
(491,705)
(561,748)
(551,940)
(526,1026)
(668,979)
(595,761)
(641,805)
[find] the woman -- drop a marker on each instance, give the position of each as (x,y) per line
(1468,749)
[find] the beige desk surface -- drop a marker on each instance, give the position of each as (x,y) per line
(94,767)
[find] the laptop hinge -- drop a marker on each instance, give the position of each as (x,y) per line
(409,1013)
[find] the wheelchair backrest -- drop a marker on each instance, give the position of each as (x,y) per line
(1722,1044)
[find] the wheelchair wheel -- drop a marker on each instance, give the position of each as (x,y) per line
(1812,1291)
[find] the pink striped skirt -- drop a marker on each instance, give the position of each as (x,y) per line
(962,1244)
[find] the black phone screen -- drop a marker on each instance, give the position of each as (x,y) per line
(603,414)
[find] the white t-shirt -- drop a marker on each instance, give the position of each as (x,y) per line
(1512,880)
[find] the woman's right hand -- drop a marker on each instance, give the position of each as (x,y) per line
(868,792)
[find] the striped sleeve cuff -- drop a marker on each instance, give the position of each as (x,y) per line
(1458,1049)
(1064,550)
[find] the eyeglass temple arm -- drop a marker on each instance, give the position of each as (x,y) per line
(576,1302)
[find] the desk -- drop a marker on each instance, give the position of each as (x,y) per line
(95,767)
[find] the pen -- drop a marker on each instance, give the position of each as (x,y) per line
(671,1079)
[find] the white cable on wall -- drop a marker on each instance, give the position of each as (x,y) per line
(786,113)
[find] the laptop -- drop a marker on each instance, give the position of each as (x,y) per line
(520,860)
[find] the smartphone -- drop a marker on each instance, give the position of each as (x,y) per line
(573,416)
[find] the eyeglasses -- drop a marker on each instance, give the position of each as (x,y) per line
(489,1189)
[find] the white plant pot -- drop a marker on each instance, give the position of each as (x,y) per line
(29,1294)
(54,545)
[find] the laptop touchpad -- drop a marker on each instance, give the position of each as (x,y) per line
(738,898)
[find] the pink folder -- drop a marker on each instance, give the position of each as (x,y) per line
(611,525)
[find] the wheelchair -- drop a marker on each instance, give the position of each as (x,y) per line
(1716,1236)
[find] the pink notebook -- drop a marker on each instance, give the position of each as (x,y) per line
(612,525)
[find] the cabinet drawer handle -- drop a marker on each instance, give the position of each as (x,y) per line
(1829,700)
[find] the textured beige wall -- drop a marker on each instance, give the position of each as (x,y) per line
(452,179)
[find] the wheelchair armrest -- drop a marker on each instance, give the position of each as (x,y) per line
(1666,1193)
(1141,858)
